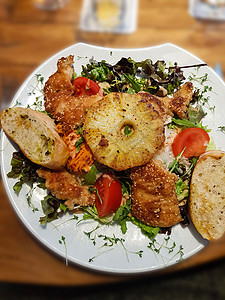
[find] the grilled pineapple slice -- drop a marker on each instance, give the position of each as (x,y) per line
(124,130)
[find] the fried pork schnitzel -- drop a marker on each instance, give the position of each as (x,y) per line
(153,194)
(64,186)
(178,103)
(60,100)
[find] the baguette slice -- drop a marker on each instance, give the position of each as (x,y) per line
(207,195)
(36,135)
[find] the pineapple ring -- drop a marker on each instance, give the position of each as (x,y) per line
(124,130)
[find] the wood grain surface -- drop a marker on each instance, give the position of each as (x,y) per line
(29,36)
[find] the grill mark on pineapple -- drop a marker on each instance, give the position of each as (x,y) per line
(103,142)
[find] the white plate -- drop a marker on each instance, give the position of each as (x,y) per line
(79,248)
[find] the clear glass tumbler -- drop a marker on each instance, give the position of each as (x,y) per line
(108,13)
(50,4)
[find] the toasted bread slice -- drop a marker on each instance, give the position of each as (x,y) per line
(36,135)
(207,195)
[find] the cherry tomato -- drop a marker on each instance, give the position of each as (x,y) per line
(86,87)
(194,140)
(110,192)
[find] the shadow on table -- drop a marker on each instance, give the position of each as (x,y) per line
(203,283)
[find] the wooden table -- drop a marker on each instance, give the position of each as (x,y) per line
(27,37)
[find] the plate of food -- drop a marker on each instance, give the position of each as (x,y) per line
(114,158)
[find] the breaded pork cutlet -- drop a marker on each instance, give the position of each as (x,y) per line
(153,194)
(64,186)
(60,100)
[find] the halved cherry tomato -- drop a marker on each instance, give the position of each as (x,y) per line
(194,140)
(86,87)
(110,192)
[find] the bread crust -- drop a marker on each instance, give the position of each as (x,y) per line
(36,135)
(207,195)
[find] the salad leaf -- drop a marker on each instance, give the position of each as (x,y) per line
(79,130)
(182,170)
(150,231)
(100,73)
(134,83)
(175,165)
(211,145)
(196,114)
(122,215)
(63,207)
(123,211)
(187,124)
(182,189)
(90,177)
(90,212)
(97,71)
(50,206)
(127,75)
(79,143)
(125,65)
(25,170)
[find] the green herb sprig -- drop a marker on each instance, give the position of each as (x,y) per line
(62,241)
(38,88)
(222,128)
